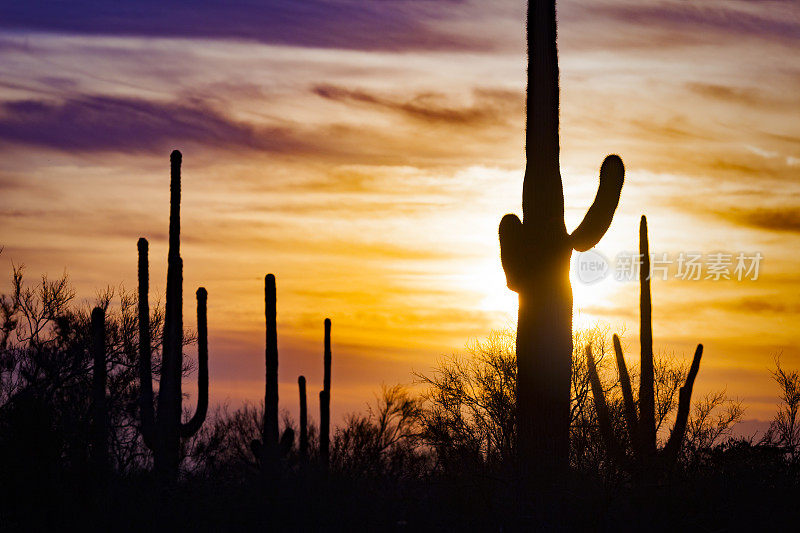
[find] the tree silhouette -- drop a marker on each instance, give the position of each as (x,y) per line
(384,441)
(99,403)
(784,430)
(49,353)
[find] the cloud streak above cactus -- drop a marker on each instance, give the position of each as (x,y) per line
(348,24)
(100,123)
(366,154)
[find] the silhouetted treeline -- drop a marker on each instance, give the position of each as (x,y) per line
(448,439)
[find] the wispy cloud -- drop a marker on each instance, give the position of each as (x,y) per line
(767,19)
(783,220)
(489,107)
(747,96)
(100,123)
(347,24)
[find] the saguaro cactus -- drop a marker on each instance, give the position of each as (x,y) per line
(270,448)
(325,399)
(269,437)
(535,254)
(162,433)
(646,458)
(99,447)
(301,384)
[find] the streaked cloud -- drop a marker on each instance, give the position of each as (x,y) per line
(101,123)
(364,152)
(785,220)
(349,24)
(767,19)
(489,107)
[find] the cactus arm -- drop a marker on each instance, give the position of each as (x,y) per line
(598,217)
(675,441)
(647,417)
(627,392)
(145,351)
(601,408)
(512,244)
(192,426)
(542,193)
(99,378)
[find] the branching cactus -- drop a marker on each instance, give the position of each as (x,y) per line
(99,378)
(646,459)
(325,400)
(162,430)
(535,254)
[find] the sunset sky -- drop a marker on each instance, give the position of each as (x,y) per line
(365,151)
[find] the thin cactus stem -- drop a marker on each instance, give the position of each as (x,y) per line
(326,382)
(148,425)
(675,441)
(325,399)
(99,378)
(301,384)
(323,428)
(631,418)
(270,429)
(601,408)
(647,416)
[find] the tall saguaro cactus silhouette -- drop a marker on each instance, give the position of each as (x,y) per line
(162,430)
(535,254)
(269,437)
(270,448)
(647,459)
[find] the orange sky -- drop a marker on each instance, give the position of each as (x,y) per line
(370,175)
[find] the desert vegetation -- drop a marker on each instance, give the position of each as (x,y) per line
(541,427)
(424,454)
